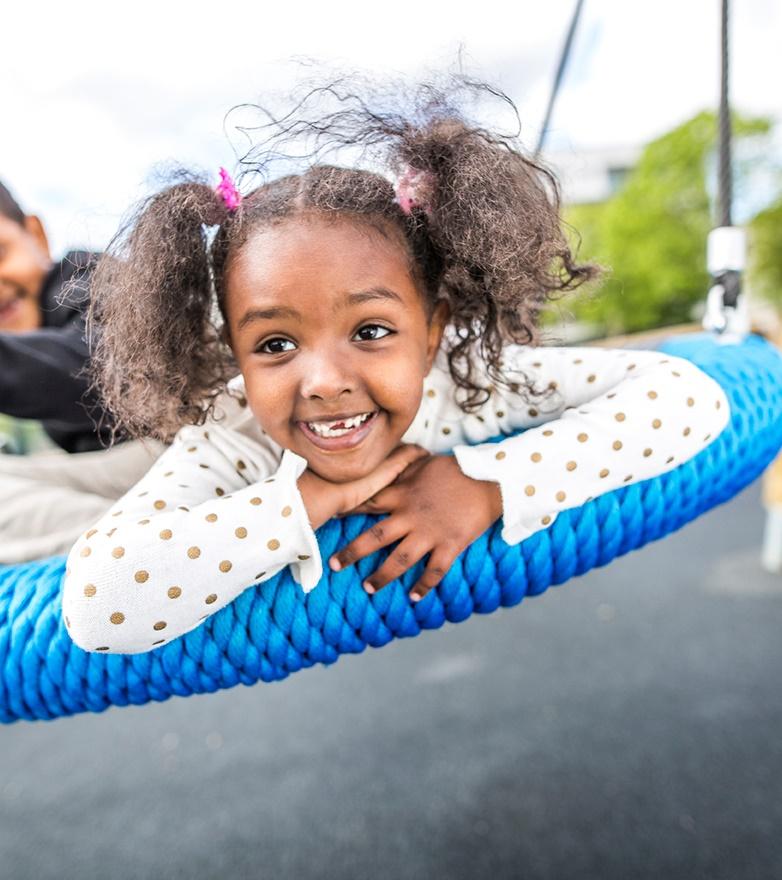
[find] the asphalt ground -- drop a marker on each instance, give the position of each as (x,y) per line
(624,725)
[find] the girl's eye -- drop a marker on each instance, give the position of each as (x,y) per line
(278,345)
(372,331)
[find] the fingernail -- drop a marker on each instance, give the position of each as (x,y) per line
(414,597)
(369,588)
(335,564)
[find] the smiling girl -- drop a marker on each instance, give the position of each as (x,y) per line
(365,330)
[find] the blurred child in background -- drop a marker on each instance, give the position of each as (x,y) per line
(45,498)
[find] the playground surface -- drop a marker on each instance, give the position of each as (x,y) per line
(627,724)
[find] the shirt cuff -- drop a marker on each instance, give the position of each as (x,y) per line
(307,568)
(479,463)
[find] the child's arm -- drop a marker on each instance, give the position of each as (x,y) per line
(614,418)
(197,530)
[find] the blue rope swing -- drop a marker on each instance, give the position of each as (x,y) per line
(274,629)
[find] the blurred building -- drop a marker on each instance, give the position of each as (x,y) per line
(593,175)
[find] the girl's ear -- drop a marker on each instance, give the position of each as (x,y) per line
(436,327)
(225,335)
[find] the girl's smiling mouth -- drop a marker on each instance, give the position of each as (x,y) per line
(339,432)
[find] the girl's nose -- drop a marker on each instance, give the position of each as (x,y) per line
(327,377)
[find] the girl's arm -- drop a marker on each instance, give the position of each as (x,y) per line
(214,515)
(184,542)
(606,418)
(603,419)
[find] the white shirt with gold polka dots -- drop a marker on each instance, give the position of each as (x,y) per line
(220,510)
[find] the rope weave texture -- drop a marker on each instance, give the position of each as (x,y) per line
(274,629)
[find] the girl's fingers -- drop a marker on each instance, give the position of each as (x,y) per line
(405,556)
(385,501)
(381,534)
(384,474)
(439,563)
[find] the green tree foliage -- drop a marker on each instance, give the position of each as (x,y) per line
(651,236)
(765,249)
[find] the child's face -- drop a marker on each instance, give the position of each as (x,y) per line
(333,338)
(24,262)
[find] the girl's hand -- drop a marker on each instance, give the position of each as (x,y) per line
(433,508)
(324,499)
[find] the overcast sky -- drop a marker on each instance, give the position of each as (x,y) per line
(96,94)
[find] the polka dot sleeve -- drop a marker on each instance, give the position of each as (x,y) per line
(601,419)
(191,536)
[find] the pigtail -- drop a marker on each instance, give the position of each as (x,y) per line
(492,216)
(159,360)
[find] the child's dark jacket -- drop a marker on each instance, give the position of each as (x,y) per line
(40,371)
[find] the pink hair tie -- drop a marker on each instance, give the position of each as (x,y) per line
(414,190)
(228,192)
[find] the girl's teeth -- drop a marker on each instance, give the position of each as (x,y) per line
(329,429)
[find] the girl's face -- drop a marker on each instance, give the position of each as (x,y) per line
(333,338)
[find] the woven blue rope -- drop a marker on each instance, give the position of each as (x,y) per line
(274,629)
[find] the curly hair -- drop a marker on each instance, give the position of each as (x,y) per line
(488,240)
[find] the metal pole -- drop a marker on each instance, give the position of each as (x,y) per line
(563,59)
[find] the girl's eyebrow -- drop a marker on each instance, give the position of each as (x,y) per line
(268,314)
(355,299)
(352,299)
